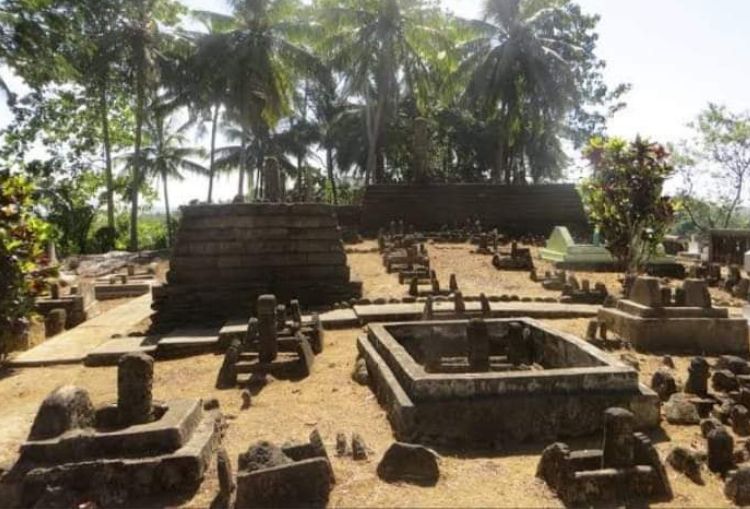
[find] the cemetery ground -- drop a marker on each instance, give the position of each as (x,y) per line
(332,402)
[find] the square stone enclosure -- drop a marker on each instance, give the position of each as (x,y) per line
(420,373)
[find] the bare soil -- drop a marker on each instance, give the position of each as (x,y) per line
(331,402)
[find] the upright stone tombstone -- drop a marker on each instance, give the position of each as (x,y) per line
(485,305)
(478,339)
(698,374)
(720,450)
(458,303)
(135,377)
(696,293)
(296,311)
(618,442)
(280,317)
(268,347)
(428,312)
(645,291)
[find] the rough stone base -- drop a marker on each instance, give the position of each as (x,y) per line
(484,422)
(113,473)
(703,336)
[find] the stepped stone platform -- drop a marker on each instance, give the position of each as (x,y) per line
(654,320)
(137,447)
(226,256)
(484,382)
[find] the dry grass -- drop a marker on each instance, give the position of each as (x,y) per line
(331,402)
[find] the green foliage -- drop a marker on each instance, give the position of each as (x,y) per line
(624,197)
(23,238)
(716,162)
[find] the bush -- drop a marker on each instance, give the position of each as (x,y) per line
(23,258)
(624,197)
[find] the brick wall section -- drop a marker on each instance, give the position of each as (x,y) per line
(227,255)
(514,210)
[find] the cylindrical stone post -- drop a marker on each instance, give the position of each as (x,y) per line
(280,317)
(618,444)
(453,283)
(698,373)
(478,339)
(296,311)
(135,377)
(485,305)
(267,345)
(666,296)
(54,291)
(427,314)
(414,287)
(251,336)
(459,304)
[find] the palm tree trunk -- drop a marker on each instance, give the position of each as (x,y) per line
(107,155)
(243,164)
(166,207)
(214,123)
(329,166)
(137,166)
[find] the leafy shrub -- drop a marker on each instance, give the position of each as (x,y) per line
(23,258)
(624,197)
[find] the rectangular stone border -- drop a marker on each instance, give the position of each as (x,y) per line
(610,375)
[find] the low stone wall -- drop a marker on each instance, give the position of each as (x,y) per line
(514,210)
(226,256)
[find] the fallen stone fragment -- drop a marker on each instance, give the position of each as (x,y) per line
(409,463)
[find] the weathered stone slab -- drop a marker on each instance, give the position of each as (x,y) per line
(109,352)
(188,341)
(72,346)
(405,312)
(121,291)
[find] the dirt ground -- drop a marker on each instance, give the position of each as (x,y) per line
(331,402)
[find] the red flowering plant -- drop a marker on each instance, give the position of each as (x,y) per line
(624,197)
(23,259)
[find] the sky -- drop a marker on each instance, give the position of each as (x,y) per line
(678,55)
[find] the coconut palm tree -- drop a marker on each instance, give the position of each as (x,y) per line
(378,46)
(202,83)
(522,70)
(262,66)
(165,156)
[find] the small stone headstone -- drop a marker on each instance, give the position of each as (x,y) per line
(618,442)
(359,448)
(342,446)
(54,322)
(360,373)
(247,399)
(720,451)
(698,373)
(663,383)
(267,344)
